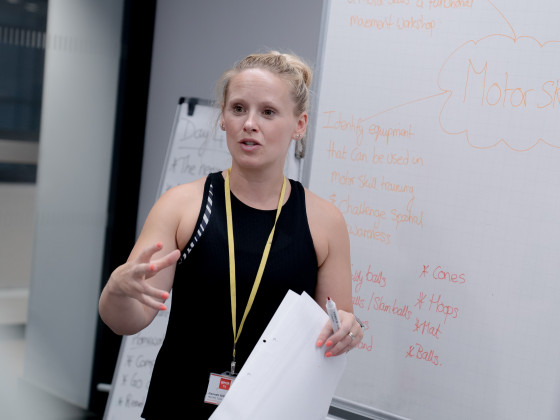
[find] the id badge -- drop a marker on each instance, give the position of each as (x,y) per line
(218,386)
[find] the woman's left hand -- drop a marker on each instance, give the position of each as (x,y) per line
(345,339)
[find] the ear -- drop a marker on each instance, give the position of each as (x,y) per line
(301,126)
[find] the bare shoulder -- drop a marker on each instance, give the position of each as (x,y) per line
(173,216)
(183,192)
(186,200)
(321,210)
(326,223)
(179,199)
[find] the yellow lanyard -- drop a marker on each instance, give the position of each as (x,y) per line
(237,333)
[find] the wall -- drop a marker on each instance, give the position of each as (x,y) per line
(77,128)
(17,203)
(195,42)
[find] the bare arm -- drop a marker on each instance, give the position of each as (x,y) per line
(334,280)
(136,290)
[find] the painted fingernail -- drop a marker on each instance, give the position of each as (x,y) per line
(329,343)
(159,244)
(163,308)
(152,267)
(165,295)
(328,354)
(319,343)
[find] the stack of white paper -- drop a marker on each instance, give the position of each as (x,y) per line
(286,376)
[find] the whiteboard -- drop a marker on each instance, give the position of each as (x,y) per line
(437,134)
(196,148)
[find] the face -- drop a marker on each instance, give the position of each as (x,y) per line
(259,119)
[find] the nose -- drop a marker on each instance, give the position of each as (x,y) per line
(250,125)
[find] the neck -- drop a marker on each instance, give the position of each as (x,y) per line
(260,191)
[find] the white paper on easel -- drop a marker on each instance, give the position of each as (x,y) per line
(286,375)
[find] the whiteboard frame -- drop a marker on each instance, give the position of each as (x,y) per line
(355,411)
(305,174)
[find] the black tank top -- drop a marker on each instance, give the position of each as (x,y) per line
(199,338)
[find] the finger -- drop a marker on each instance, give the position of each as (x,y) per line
(155,298)
(336,343)
(165,261)
(147,253)
(154,303)
(345,343)
(355,339)
(144,270)
(325,333)
(328,337)
(345,326)
(153,267)
(340,347)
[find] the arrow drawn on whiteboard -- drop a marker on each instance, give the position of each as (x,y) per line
(500,89)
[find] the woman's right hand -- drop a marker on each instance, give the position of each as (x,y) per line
(130,278)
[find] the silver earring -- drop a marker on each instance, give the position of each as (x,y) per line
(222,126)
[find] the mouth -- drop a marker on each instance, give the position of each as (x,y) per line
(249,143)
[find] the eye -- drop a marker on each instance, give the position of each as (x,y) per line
(269,112)
(236,108)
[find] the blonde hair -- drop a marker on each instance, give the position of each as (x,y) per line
(287,66)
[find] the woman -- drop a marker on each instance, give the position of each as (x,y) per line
(189,233)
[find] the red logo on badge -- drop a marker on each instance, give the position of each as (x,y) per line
(225,383)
